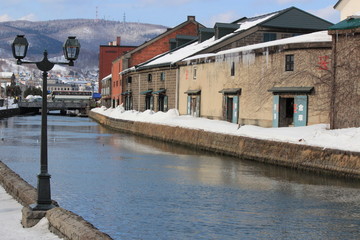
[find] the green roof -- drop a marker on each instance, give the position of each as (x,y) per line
(296,19)
(289,90)
(349,23)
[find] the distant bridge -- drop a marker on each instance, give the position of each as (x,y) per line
(82,107)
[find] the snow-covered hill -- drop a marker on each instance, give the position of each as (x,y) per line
(50,35)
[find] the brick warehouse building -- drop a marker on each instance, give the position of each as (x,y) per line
(107,54)
(345,73)
(156,84)
(143,53)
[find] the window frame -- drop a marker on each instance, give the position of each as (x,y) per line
(162,76)
(289,62)
(232,70)
(269,36)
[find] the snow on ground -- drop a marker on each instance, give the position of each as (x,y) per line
(11,228)
(9,104)
(314,135)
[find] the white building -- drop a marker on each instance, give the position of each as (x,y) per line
(348,8)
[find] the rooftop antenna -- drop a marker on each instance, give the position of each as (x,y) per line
(124,20)
(97,15)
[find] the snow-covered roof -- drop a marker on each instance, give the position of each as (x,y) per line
(107,77)
(252,22)
(128,70)
(321,36)
(174,56)
(6,74)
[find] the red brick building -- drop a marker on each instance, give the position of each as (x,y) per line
(109,53)
(116,82)
(146,51)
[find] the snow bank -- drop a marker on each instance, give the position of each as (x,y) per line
(33,98)
(11,228)
(9,105)
(314,135)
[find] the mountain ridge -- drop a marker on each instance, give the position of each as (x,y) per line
(50,35)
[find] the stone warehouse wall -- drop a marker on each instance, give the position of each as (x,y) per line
(335,162)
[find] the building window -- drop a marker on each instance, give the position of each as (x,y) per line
(194,72)
(232,69)
(289,62)
(149,77)
(162,76)
(149,102)
(269,37)
(193,105)
(129,79)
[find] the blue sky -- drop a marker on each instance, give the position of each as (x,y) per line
(164,12)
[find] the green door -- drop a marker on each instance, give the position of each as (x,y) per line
(300,111)
(165,103)
(276,101)
(189,105)
(235,109)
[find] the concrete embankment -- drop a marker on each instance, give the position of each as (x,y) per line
(9,112)
(325,161)
(62,222)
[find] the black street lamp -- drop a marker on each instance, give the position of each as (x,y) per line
(71,51)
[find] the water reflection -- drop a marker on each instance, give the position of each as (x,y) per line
(138,188)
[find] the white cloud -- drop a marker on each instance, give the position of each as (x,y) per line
(5,18)
(29,17)
(290,1)
(162,3)
(225,17)
(328,13)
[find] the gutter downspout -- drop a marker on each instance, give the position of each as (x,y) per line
(177,88)
(139,93)
(333,85)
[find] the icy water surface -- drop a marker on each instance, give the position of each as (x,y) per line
(136,188)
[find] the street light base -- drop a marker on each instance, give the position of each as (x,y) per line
(30,217)
(44,201)
(41,207)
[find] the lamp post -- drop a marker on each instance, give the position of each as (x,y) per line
(71,50)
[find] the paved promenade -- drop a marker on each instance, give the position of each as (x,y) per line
(11,228)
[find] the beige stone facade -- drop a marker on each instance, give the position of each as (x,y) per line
(245,78)
(346,72)
(347,8)
(153,89)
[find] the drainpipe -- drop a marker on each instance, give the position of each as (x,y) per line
(139,92)
(333,85)
(177,89)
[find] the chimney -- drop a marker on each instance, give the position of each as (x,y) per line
(118,40)
(191,18)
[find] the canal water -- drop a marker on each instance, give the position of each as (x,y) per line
(135,188)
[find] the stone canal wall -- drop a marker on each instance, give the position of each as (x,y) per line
(329,161)
(9,112)
(64,223)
